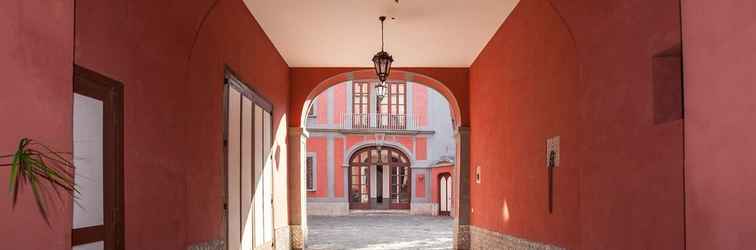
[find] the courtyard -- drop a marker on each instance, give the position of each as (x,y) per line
(379,231)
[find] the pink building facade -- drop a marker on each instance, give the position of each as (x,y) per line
(396,153)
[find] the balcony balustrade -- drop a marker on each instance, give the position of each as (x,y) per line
(381,121)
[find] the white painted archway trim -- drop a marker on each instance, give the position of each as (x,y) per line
(373,143)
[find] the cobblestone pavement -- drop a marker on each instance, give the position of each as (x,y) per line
(379,231)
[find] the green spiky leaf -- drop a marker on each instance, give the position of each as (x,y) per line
(34,163)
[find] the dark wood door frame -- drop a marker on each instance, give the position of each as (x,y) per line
(110,92)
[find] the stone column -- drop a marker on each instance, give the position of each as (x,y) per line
(297,138)
(461,190)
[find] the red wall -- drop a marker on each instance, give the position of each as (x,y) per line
(719,125)
(170,55)
(322,110)
(338,180)
(580,70)
(340,96)
(317,146)
(420,104)
(420,186)
(421,148)
(36,99)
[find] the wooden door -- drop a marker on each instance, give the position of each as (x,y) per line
(249,168)
(98,157)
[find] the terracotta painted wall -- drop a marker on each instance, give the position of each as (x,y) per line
(421,148)
(317,146)
(338,159)
(420,102)
(340,96)
(170,55)
(322,109)
(580,70)
(36,100)
(419,186)
(719,125)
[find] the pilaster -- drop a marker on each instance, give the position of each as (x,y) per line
(297,138)
(462,190)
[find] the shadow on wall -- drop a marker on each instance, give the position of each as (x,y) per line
(567,69)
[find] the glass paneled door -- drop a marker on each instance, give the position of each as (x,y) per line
(98,157)
(364,178)
(249,168)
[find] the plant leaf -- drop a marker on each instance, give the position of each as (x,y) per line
(63,162)
(40,167)
(32,166)
(38,196)
(53,152)
(15,167)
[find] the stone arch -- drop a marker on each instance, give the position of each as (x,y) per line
(308,83)
(372,143)
(368,74)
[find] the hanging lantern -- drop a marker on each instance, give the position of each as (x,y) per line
(382,61)
(380,90)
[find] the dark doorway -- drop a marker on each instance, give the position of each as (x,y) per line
(379,184)
(98,155)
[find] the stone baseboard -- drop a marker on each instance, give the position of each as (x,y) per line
(421,209)
(298,236)
(485,239)
(208,245)
(327,208)
(461,236)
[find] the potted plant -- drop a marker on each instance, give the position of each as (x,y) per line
(35,164)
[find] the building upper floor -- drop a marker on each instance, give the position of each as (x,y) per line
(408,109)
(354,105)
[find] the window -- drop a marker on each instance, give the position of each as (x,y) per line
(360,104)
(310,168)
(393,108)
(391,111)
(312,112)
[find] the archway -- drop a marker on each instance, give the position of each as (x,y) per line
(377,171)
(451,83)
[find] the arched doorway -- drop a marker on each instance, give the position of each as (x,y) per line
(379,178)
(444,194)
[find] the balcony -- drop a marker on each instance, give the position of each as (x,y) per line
(381,122)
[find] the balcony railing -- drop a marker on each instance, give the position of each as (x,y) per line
(381,121)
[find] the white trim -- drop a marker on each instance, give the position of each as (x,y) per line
(371,143)
(312,112)
(314,171)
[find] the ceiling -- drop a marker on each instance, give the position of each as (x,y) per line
(346,33)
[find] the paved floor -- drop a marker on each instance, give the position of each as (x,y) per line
(379,231)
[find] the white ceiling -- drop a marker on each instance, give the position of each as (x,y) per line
(346,33)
